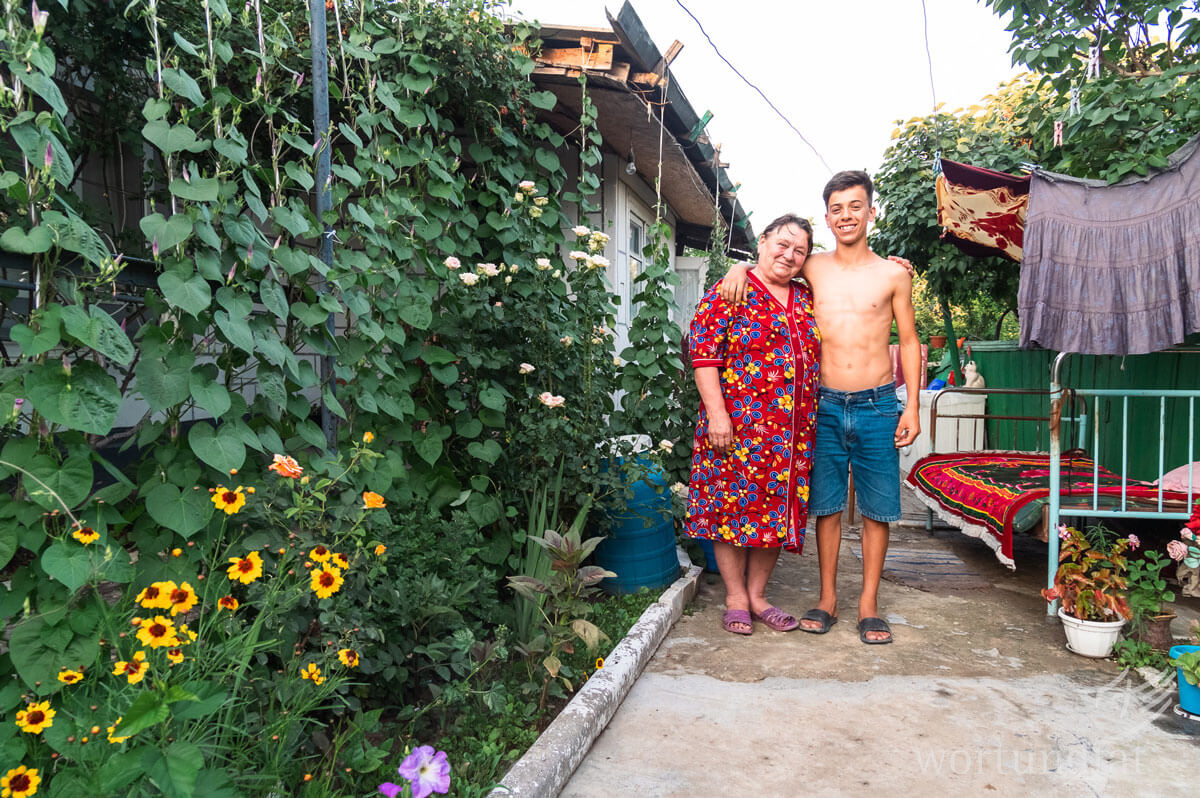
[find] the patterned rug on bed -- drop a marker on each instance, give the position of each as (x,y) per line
(984,490)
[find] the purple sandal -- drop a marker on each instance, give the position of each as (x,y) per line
(777,619)
(732,617)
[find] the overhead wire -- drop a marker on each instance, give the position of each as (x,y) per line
(937,127)
(749,83)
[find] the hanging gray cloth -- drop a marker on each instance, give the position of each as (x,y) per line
(1113,269)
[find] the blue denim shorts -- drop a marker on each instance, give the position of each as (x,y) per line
(857,429)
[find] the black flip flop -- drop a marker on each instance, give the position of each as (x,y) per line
(819,616)
(873,625)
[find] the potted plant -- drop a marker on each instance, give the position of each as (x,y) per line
(1186,660)
(1090,582)
(1147,593)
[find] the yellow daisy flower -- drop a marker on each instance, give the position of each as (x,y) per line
(85,535)
(20,782)
(135,669)
(227,500)
(158,632)
(35,717)
(181,599)
(68,676)
(246,569)
(340,560)
(348,657)
(326,581)
(112,737)
(312,673)
(320,554)
(227,603)
(156,596)
(175,656)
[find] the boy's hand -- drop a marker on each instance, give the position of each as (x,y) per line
(908,428)
(732,287)
(903,262)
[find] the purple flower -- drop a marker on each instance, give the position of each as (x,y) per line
(49,154)
(1063,532)
(389,789)
(426,771)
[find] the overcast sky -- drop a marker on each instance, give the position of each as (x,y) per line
(842,72)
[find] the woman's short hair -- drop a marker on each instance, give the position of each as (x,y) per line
(789,219)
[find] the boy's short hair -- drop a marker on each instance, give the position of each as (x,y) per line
(848,179)
(791,219)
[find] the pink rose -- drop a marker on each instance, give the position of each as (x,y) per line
(550,400)
(1176,550)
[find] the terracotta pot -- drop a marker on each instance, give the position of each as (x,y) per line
(1156,630)
(937,341)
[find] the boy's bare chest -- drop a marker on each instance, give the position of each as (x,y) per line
(852,298)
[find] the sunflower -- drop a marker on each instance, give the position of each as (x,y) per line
(286,466)
(112,737)
(230,501)
(35,717)
(85,535)
(246,569)
(68,676)
(326,581)
(312,673)
(20,782)
(227,603)
(157,596)
(181,599)
(175,655)
(341,560)
(320,554)
(158,632)
(135,669)
(348,657)
(372,500)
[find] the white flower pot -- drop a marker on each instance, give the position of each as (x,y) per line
(1090,638)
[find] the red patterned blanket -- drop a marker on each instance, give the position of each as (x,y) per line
(983,491)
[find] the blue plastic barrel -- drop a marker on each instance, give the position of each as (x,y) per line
(640,547)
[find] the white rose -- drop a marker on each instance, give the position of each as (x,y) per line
(468,278)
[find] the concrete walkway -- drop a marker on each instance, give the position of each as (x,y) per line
(978,695)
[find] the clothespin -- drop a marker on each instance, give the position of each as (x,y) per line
(1058,133)
(1074,100)
(937,163)
(1093,66)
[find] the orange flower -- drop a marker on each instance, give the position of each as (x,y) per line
(286,466)
(368,437)
(380,549)
(227,603)
(372,500)
(246,569)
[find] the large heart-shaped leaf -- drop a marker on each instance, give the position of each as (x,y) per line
(162,383)
(184,511)
(86,398)
(220,448)
(97,329)
(208,393)
(164,232)
(188,293)
(69,563)
(197,189)
(172,138)
(39,651)
(36,240)
(56,485)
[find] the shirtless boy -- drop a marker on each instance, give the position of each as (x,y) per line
(857,297)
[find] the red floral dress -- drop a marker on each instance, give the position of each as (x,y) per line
(757,496)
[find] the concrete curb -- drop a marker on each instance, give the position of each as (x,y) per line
(550,761)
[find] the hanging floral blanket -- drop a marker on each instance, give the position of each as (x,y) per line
(982,492)
(982,212)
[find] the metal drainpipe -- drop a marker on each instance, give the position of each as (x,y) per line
(320,90)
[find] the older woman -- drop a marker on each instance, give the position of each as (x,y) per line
(756,367)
